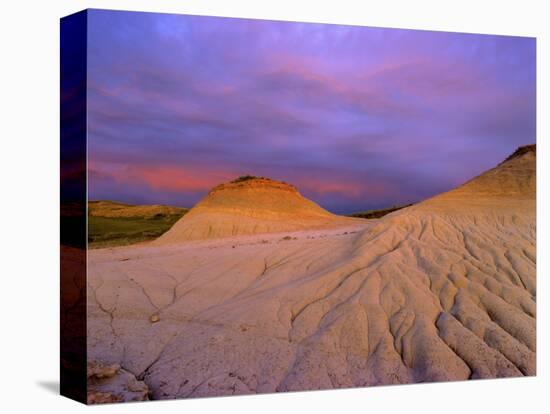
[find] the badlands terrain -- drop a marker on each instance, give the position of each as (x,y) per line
(258,290)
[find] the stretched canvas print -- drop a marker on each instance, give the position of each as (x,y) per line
(252,206)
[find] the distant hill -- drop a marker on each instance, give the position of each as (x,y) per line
(372,214)
(112,223)
(106,208)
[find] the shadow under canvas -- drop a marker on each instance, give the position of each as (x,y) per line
(51,386)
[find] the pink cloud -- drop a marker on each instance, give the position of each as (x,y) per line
(163,177)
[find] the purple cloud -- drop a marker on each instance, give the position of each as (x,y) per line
(357,117)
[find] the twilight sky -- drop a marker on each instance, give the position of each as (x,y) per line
(355,117)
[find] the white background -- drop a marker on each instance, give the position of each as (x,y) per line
(29,192)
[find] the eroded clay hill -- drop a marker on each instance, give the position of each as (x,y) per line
(511,185)
(250,206)
(444,290)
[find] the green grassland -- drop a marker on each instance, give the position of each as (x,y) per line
(120,231)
